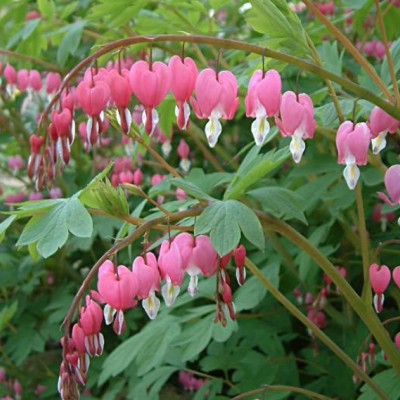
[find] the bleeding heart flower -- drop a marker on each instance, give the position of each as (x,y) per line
(263,100)
(10,74)
(150,85)
(118,287)
(170,265)
(183,79)
(93,97)
(35,80)
(90,319)
(198,256)
(22,79)
(297,120)
(379,276)
(216,98)
(148,277)
(183,151)
(380,124)
(121,94)
(352,143)
(53,82)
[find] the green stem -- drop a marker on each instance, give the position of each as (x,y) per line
(389,58)
(362,230)
(315,330)
(350,48)
(277,388)
(364,311)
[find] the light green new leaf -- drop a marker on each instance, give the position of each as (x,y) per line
(280,24)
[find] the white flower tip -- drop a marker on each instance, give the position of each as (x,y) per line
(192,288)
(378,302)
(151,305)
(260,129)
(109,313)
(185,164)
(379,143)
(297,147)
(169,293)
(351,174)
(213,129)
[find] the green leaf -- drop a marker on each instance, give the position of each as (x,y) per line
(223,333)
(395,52)
(281,26)
(50,230)
(195,339)
(147,348)
(388,381)
(79,221)
(6,313)
(190,188)
(224,220)
(280,202)
(70,42)
(253,291)
(5,225)
(253,170)
(46,8)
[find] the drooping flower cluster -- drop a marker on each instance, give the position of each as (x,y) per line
(120,288)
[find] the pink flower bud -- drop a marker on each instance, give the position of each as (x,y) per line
(35,80)
(10,74)
(53,82)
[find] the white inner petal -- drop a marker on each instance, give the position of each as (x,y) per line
(192,288)
(151,305)
(297,147)
(213,128)
(260,129)
(379,143)
(351,172)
